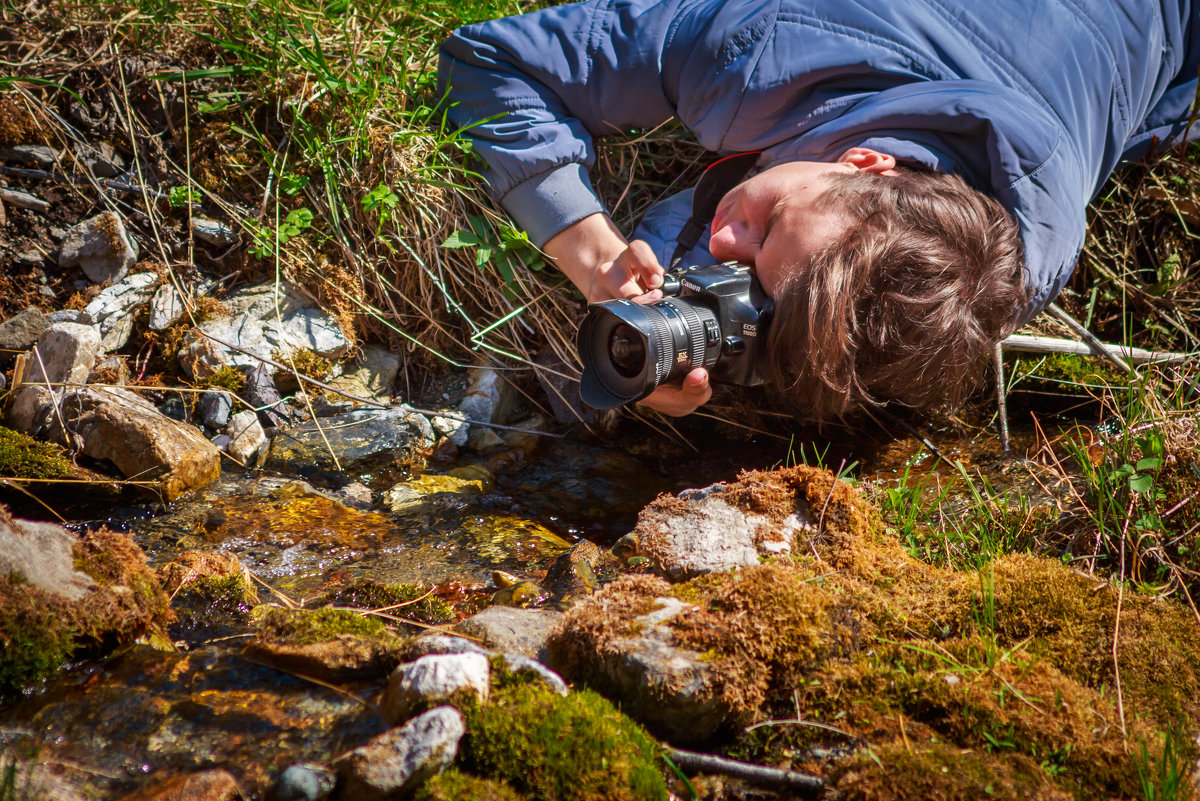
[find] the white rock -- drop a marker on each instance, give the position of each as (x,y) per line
(246,435)
(523,664)
(455,428)
(488,397)
(165,307)
(400,760)
(432,680)
(114,309)
(101,247)
(65,353)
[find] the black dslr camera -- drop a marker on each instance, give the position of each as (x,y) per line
(713,317)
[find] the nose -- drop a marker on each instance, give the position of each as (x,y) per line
(731,243)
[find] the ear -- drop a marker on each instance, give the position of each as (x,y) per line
(868,160)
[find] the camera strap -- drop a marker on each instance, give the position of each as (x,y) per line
(721,176)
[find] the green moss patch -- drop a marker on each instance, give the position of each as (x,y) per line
(451,785)
(399,600)
(23,456)
(555,748)
(309,626)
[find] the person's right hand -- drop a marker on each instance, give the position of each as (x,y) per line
(677,400)
(634,273)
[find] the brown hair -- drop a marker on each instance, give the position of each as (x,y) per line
(906,305)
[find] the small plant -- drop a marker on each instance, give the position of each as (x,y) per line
(1167,778)
(296,223)
(505,248)
(180,196)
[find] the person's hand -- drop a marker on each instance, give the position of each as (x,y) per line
(677,400)
(634,273)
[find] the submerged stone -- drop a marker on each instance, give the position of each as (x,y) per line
(354,443)
(428,491)
(329,644)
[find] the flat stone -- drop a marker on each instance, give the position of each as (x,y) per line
(362,441)
(430,491)
(215,409)
(100,158)
(41,553)
(372,376)
(269,324)
(114,309)
(65,354)
(166,306)
(433,680)
(207,785)
(64,316)
(214,233)
(101,247)
(32,155)
(20,331)
(512,630)
(304,783)
(119,426)
(246,436)
(400,760)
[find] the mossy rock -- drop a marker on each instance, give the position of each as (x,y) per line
(400,600)
(22,456)
(451,785)
(331,644)
(555,748)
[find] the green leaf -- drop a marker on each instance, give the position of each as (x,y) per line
(461,239)
(1140,483)
(1149,463)
(300,218)
(484,254)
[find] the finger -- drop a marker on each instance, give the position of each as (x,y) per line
(696,387)
(649,297)
(644,264)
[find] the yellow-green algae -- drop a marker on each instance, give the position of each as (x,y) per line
(855,634)
(22,456)
(407,601)
(452,785)
(310,626)
(40,630)
(555,748)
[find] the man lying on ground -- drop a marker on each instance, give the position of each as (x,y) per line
(922,175)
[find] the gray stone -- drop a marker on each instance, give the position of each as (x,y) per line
(28,258)
(166,306)
(707,535)
(488,397)
(246,436)
(114,424)
(267,323)
(523,665)
(362,440)
(42,555)
(400,760)
(355,494)
(101,159)
(222,441)
(20,331)
(32,155)
(65,354)
(304,783)
(101,247)
(214,233)
(512,630)
(427,644)
(215,409)
(372,376)
(114,309)
(433,680)
(455,428)
(110,370)
(64,316)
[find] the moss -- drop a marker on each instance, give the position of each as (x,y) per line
(227,378)
(309,626)
(451,785)
(1053,371)
(22,456)
(305,362)
(36,635)
(555,748)
(941,772)
(398,599)
(214,602)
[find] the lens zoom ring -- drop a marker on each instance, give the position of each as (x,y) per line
(695,327)
(664,354)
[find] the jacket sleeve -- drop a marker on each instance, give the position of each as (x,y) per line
(531,91)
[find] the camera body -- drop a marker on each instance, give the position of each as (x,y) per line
(713,316)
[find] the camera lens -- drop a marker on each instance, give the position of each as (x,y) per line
(627,349)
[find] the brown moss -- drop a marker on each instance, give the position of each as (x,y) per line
(17,125)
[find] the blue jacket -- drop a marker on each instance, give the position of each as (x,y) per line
(1032,101)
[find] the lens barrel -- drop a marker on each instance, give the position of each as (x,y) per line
(629,349)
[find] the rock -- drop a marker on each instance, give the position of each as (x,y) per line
(65,354)
(372,377)
(362,441)
(570,575)
(28,258)
(246,436)
(484,439)
(268,324)
(192,566)
(101,247)
(523,665)
(215,409)
(355,493)
(427,644)
(706,534)
(330,644)
(110,370)
(455,428)
(261,394)
(117,425)
(100,159)
(398,761)
(214,233)
(428,491)
(433,680)
(64,316)
(221,442)
(488,398)
(510,630)
(32,155)
(634,657)
(19,332)
(114,309)
(522,594)
(207,785)
(41,554)
(166,306)
(304,783)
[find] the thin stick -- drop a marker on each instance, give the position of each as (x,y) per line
(1089,337)
(1024,343)
(1117,623)
(1001,400)
(757,774)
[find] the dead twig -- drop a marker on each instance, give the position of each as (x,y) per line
(809,786)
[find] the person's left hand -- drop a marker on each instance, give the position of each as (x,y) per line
(677,400)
